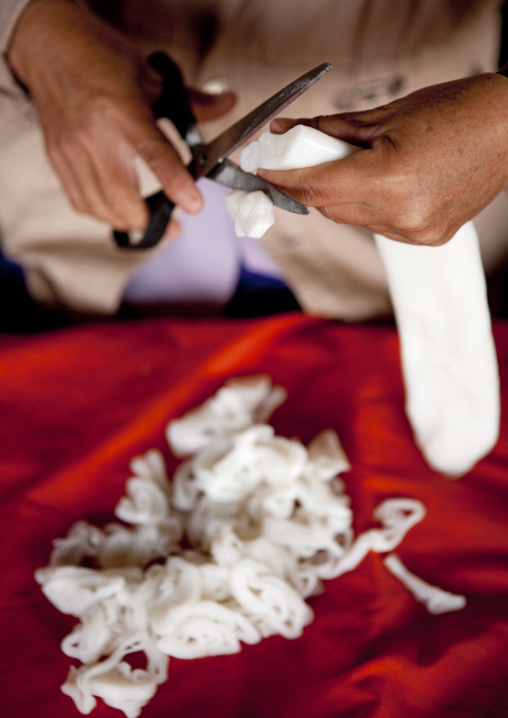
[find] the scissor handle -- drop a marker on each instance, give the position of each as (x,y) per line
(174,101)
(160,208)
(174,104)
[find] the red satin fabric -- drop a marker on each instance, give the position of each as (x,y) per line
(78,404)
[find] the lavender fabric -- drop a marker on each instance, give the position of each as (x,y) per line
(203,264)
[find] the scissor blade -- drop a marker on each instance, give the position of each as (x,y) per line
(207,157)
(229,174)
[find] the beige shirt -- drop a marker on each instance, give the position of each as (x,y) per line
(379,49)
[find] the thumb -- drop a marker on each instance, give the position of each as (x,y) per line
(354,128)
(208,107)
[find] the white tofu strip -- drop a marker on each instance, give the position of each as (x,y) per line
(439,299)
(299,147)
(435,599)
(447,349)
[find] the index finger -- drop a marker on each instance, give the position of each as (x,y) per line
(164,161)
(340,182)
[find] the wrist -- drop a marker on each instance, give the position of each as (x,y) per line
(29,40)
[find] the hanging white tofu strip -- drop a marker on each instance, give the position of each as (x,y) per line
(440,304)
(447,350)
(252,212)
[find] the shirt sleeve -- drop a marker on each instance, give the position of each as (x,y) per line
(10,11)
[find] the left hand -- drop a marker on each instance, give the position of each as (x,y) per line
(426,164)
(94,92)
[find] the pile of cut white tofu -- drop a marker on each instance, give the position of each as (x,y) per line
(225,554)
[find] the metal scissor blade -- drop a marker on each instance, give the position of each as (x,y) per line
(207,157)
(229,174)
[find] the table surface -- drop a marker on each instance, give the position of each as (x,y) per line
(76,405)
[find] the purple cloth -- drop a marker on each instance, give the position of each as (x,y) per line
(203,264)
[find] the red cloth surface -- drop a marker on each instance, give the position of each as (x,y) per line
(77,405)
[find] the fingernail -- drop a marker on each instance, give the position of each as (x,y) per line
(281,124)
(190,200)
(217,86)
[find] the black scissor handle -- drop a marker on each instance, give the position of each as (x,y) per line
(174,100)
(173,104)
(160,208)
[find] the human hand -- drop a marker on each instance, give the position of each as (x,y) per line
(94,92)
(426,163)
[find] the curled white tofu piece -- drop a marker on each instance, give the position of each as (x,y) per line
(397,516)
(252,212)
(116,683)
(436,599)
(237,405)
(440,303)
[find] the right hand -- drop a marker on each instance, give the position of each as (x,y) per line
(426,163)
(94,91)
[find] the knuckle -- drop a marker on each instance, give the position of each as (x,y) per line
(308,190)
(412,218)
(101,111)
(151,144)
(121,225)
(329,212)
(407,208)
(60,148)
(149,148)
(417,233)
(432,237)
(125,210)
(102,105)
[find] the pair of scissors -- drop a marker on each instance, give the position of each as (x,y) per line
(211,160)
